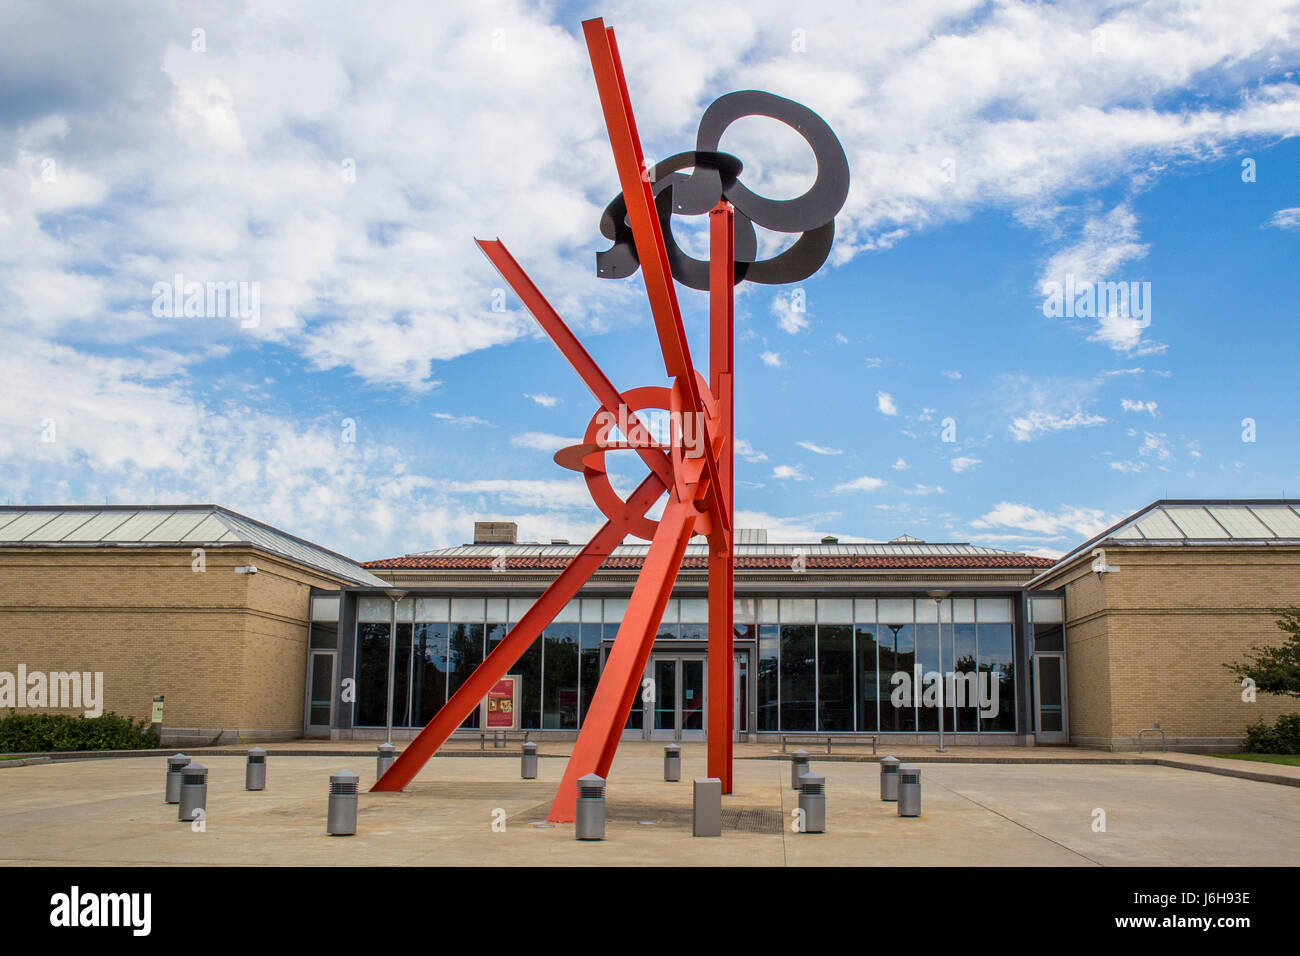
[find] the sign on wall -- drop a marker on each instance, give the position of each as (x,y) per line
(501,706)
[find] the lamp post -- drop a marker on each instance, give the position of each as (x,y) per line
(395,596)
(938,597)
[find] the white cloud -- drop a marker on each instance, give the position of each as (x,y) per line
(925,490)
(1029,426)
(820,449)
(465,420)
(789,473)
(1285,218)
(953,374)
(900,465)
(541,398)
(1136,405)
(874,362)
(746,451)
(964,464)
(1077,521)
(865,483)
(885,402)
(790,311)
(541,441)
(771,358)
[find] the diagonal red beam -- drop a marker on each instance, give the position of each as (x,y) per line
(620,681)
(646,232)
(520,637)
(601,387)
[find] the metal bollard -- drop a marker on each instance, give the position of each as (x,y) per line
(708,807)
(175,764)
(385,760)
(590,818)
(672,763)
(889,779)
(341,817)
(194,792)
(528,768)
(798,767)
(255,771)
(812,801)
(498,741)
(909,790)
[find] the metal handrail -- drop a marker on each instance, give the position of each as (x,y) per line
(1153,730)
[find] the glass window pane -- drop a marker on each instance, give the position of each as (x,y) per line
(519,607)
(591,610)
(868,688)
(431,609)
(798,611)
(768,680)
(469,610)
(325,609)
(615,608)
(529,669)
(927,611)
(671,614)
(588,664)
(568,614)
(324,635)
(927,693)
(429,688)
(834,610)
(374,610)
(560,694)
(497,612)
(744,611)
(963,610)
(372,677)
(694,610)
(993,610)
(998,712)
(1045,610)
(894,610)
(965,684)
(798,675)
(835,676)
(465,652)
(897,657)
(864,610)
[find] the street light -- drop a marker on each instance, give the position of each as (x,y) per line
(395,596)
(938,597)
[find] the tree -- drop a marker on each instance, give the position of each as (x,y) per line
(1276,670)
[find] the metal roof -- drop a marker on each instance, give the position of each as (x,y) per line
(1200,522)
(125,525)
(695,550)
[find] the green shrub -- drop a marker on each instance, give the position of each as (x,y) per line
(27,733)
(1281,738)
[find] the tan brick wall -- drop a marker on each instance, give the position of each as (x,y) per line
(1148,643)
(228,650)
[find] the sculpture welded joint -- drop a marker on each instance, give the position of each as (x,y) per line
(695,470)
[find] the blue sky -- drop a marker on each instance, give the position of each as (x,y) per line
(379,405)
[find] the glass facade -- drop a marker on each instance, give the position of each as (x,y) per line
(818,664)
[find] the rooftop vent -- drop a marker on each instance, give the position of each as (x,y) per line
(751,536)
(905,539)
(495,532)
(559,541)
(830,539)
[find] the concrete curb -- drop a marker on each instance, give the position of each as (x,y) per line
(1230,771)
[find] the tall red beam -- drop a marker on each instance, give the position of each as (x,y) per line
(620,681)
(722,693)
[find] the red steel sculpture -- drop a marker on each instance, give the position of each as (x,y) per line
(697,476)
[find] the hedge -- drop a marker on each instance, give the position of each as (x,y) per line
(1281,738)
(28,733)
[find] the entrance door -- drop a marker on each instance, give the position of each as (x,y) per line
(320,694)
(1053,725)
(678,711)
(740,705)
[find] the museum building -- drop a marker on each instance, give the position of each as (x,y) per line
(250,633)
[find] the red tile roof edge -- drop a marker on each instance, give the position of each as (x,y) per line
(772,562)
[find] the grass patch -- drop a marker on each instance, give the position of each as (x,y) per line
(1290,760)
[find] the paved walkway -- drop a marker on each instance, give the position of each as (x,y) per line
(111,812)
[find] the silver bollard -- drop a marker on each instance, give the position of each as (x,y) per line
(255,771)
(194,792)
(672,763)
(798,767)
(909,790)
(175,764)
(590,817)
(385,760)
(708,807)
(889,779)
(498,741)
(528,765)
(812,801)
(341,817)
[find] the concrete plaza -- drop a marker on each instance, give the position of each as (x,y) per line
(110,811)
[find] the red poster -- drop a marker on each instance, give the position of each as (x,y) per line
(501,704)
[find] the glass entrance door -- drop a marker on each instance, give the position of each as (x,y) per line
(320,694)
(1050,699)
(677,711)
